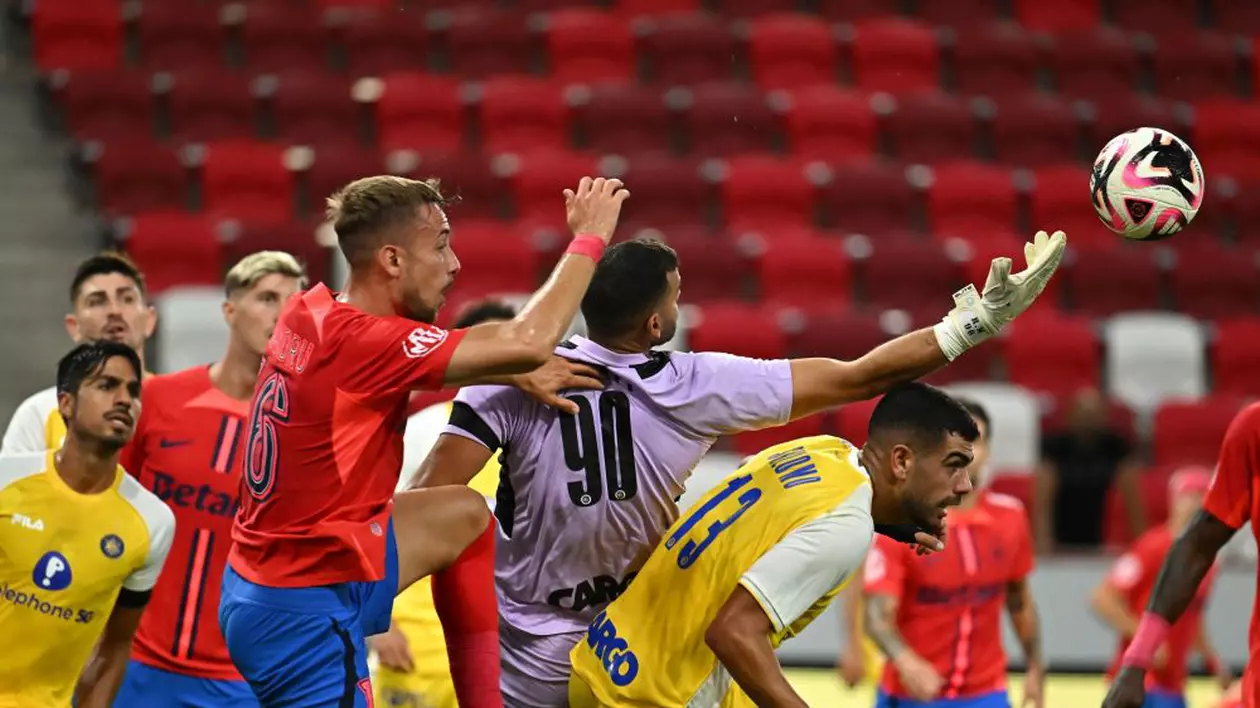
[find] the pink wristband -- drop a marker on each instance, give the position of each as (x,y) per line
(587,245)
(1151,632)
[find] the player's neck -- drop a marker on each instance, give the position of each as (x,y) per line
(236,373)
(361,294)
(885,507)
(84,469)
(622,345)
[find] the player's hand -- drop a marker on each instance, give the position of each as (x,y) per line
(392,650)
(547,381)
(927,544)
(595,207)
(979,315)
(918,676)
(1224,677)
(1034,686)
(851,665)
(1128,690)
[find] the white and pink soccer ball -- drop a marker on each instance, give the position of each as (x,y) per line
(1147,184)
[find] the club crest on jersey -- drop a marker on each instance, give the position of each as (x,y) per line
(52,572)
(112,546)
(422,341)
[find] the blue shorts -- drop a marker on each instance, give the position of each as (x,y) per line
(1164,699)
(997,699)
(151,687)
(305,647)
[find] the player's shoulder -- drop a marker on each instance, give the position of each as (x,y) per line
(178,382)
(1004,503)
(40,402)
(1248,419)
(157,516)
(15,466)
(1154,540)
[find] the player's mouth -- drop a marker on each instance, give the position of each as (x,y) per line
(120,418)
(115,332)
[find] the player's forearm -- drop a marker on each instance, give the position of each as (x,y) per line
(547,316)
(1023,611)
(102,677)
(750,660)
(881,613)
(851,599)
(1110,609)
(819,384)
(1188,562)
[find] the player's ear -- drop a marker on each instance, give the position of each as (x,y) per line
(72,327)
(901,461)
(151,321)
(654,325)
(390,259)
(65,405)
(229,311)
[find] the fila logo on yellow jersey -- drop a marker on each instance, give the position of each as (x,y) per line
(27,522)
(613,652)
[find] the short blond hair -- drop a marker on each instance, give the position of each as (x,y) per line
(256,266)
(360,211)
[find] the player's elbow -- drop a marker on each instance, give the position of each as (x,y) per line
(721,637)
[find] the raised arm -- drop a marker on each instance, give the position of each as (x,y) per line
(819,384)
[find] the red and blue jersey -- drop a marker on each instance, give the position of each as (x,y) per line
(187,450)
(950,603)
(324,445)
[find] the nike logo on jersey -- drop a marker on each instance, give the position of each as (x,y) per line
(173,443)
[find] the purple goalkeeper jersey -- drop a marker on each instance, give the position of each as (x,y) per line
(583,499)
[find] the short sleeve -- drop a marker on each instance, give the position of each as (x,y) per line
(27,431)
(732,394)
(811,561)
(486,414)
(1127,572)
(1229,498)
(161,523)
(392,354)
(885,572)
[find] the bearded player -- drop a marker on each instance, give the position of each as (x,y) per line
(1232,500)
(1119,600)
(587,497)
(755,560)
(938,619)
(188,450)
(82,542)
(321,544)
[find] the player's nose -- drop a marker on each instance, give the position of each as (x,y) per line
(962,484)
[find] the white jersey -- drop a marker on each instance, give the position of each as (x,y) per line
(36,425)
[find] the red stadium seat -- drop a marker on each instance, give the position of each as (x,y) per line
(869,197)
(248,181)
(803,268)
(106,105)
(838,333)
(294,237)
(1035,129)
(1243,17)
(69,34)
(1095,63)
(730,327)
(761,191)
(378,43)
(895,55)
(688,49)
(932,127)
(1236,357)
(420,112)
(851,421)
(1112,281)
(728,117)
(1227,136)
(133,176)
(1060,201)
(482,194)
(1053,354)
(978,365)
(181,35)
(523,113)
(972,200)
(1210,281)
(754,441)
(849,10)
(478,41)
(493,260)
(1055,415)
(715,269)
(539,181)
(958,13)
(276,38)
(589,45)
(911,275)
(1191,66)
(314,109)
(1120,112)
(1190,432)
(753,8)
(668,191)
(830,123)
(211,105)
(622,118)
(637,8)
(1241,211)
(1015,483)
(1058,16)
(335,166)
(789,51)
(1170,18)
(995,58)
(175,248)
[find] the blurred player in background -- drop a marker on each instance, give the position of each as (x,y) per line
(413,669)
(1232,500)
(107,301)
(763,553)
(188,449)
(322,544)
(860,659)
(1119,600)
(938,619)
(83,543)
(587,497)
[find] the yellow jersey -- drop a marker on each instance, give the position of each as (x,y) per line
(36,425)
(791,526)
(64,558)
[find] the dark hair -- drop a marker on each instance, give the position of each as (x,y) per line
(926,414)
(483,311)
(88,359)
(103,264)
(976,410)
(629,281)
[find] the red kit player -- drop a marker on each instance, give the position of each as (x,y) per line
(322,544)
(1125,591)
(1232,500)
(188,449)
(938,618)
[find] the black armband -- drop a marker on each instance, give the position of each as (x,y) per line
(133,599)
(465,418)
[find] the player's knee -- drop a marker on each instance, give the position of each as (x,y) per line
(471,510)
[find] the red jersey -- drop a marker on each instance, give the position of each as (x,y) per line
(325,440)
(950,603)
(1235,499)
(1134,575)
(187,450)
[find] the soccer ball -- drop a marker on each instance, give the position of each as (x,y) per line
(1147,184)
